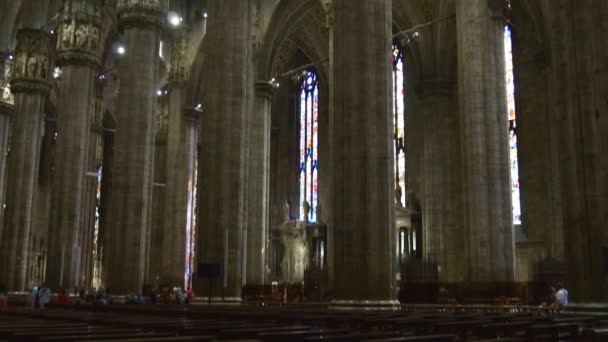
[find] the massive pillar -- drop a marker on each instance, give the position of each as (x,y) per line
(259,184)
(78,52)
(129,217)
(222,157)
(182,142)
(443,238)
(362,151)
(6,111)
(484,141)
(90,219)
(30,86)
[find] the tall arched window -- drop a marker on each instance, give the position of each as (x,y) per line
(399,124)
(309,143)
(510,85)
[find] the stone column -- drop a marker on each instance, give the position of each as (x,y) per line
(78,53)
(484,141)
(259,184)
(159,193)
(30,86)
(362,150)
(181,167)
(443,238)
(6,111)
(222,157)
(129,217)
(89,193)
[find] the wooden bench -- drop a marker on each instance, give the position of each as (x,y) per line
(553,332)
(595,334)
(425,338)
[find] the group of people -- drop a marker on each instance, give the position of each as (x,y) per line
(557,297)
(174,296)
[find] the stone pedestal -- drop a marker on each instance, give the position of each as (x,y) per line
(78,52)
(30,86)
(484,142)
(130,212)
(363,238)
(259,185)
(226,89)
(295,252)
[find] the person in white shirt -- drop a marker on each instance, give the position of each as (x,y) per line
(561,295)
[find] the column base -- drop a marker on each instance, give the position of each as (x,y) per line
(365,305)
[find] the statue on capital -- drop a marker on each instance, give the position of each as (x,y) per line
(286,211)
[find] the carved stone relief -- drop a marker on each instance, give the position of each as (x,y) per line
(32,55)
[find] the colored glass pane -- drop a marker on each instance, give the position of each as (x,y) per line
(309,144)
(514,163)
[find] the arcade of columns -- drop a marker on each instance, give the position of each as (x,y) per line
(459,159)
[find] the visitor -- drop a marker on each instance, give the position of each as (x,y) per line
(561,296)
(189,295)
(3,297)
(43,296)
(63,298)
(153,296)
(82,297)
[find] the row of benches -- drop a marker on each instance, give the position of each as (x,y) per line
(176,323)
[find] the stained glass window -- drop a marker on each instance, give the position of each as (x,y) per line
(400,167)
(309,143)
(191,227)
(97,252)
(510,85)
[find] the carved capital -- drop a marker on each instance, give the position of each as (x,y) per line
(264,89)
(6,108)
(33,61)
(142,13)
(80,33)
(30,86)
(192,115)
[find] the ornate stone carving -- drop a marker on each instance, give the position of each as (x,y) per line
(162,122)
(80,33)
(256,24)
(6,95)
(179,61)
(142,12)
(32,68)
(97,108)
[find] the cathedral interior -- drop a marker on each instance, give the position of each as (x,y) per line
(358,152)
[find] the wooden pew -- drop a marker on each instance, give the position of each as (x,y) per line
(425,338)
(594,335)
(552,332)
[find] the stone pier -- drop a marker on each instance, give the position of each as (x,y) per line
(363,186)
(128,227)
(484,142)
(6,111)
(259,184)
(30,85)
(80,58)
(182,140)
(222,159)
